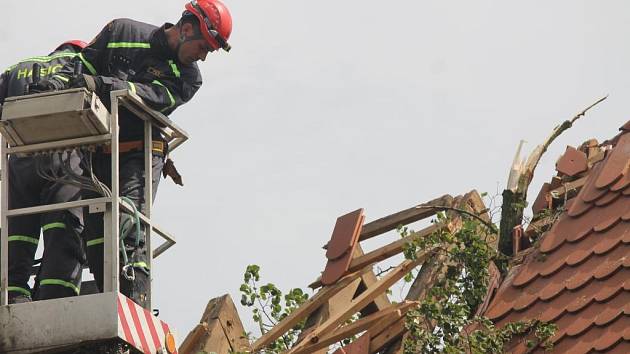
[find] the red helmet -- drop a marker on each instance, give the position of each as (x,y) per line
(79,44)
(215,22)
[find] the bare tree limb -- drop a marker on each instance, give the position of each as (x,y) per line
(381,272)
(587,108)
(514,200)
(534,158)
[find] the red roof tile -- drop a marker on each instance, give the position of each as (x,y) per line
(360,345)
(616,163)
(542,200)
(344,234)
(341,246)
(579,277)
(572,162)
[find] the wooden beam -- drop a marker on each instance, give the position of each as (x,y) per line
(332,306)
(208,337)
(536,228)
(306,309)
(220,329)
(434,269)
(381,302)
(364,299)
(344,297)
(561,191)
(359,326)
(428,275)
(385,323)
(192,339)
(392,249)
(396,347)
(473,202)
(223,310)
(388,335)
(368,279)
(341,300)
(404,217)
(384,252)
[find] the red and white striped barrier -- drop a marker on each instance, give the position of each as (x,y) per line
(145,332)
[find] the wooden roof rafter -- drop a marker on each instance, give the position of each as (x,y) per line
(338,300)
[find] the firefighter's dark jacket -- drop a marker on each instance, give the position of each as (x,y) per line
(14,79)
(132,55)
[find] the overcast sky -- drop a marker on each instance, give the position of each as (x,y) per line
(323,107)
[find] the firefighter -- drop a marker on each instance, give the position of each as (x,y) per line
(159,65)
(60,271)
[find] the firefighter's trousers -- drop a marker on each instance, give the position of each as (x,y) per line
(132,186)
(60,271)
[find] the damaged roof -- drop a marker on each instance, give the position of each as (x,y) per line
(578,275)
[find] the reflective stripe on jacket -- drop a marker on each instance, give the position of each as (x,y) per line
(14,79)
(132,55)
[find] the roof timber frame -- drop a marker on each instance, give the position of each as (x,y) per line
(358,288)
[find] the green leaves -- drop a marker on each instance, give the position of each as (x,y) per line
(444,321)
(252,272)
(269,306)
(440,323)
(490,339)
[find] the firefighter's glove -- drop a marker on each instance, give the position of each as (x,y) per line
(170,170)
(88,81)
(41,86)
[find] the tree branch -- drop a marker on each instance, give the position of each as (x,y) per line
(384,271)
(534,158)
(514,199)
(587,108)
(461,211)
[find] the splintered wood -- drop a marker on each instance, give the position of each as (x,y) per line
(348,287)
(220,330)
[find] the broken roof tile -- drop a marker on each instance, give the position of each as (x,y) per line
(360,345)
(572,162)
(542,200)
(343,242)
(346,229)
